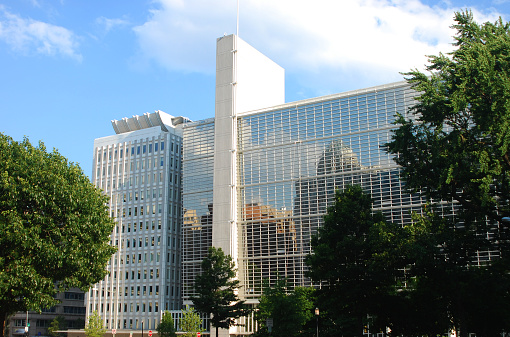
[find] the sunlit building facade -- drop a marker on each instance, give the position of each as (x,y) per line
(258,178)
(139,168)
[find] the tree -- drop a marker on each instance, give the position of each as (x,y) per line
(58,323)
(290,310)
(166,327)
(454,146)
(54,227)
(191,323)
(358,259)
(216,290)
(95,326)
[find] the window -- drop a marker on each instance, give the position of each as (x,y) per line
(162,146)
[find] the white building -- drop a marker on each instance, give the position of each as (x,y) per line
(139,168)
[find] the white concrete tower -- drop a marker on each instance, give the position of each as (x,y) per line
(245,80)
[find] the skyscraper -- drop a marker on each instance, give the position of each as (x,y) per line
(258,178)
(139,168)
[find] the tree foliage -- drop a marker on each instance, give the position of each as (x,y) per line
(95,326)
(455,143)
(357,258)
(166,327)
(454,146)
(54,227)
(191,323)
(290,310)
(216,289)
(58,323)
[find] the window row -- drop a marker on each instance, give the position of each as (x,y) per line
(135,149)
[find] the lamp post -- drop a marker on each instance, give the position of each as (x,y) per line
(317,320)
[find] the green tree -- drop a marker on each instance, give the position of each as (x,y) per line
(95,326)
(216,290)
(290,310)
(191,323)
(58,323)
(166,327)
(454,145)
(358,259)
(54,227)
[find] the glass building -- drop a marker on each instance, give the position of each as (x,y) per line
(290,160)
(256,181)
(258,178)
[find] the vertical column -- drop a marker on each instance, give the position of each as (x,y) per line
(223,232)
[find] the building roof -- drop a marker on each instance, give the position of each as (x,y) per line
(148,120)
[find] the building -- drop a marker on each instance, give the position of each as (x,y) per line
(139,168)
(71,308)
(258,178)
(256,181)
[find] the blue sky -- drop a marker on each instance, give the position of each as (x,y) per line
(68,67)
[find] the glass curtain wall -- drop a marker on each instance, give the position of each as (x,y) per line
(290,162)
(198,171)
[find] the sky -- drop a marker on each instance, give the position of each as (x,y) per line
(69,67)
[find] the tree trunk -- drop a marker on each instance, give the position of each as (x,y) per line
(3,317)
(215,327)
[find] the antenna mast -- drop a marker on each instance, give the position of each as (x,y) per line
(237,27)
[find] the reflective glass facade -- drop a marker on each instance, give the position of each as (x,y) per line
(198,173)
(290,161)
(293,158)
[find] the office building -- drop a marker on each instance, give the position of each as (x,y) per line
(258,177)
(71,309)
(139,168)
(256,181)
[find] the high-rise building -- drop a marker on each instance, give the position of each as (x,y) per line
(257,181)
(258,178)
(139,168)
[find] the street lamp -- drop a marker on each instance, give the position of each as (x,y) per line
(317,319)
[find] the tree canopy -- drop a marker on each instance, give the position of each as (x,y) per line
(356,257)
(453,146)
(190,323)
(166,327)
(58,323)
(95,326)
(216,290)
(290,309)
(54,227)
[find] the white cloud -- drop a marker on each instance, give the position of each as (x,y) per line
(28,35)
(363,39)
(109,24)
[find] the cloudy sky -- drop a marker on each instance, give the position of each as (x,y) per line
(68,67)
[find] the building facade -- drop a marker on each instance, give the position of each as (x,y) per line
(71,308)
(258,178)
(139,168)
